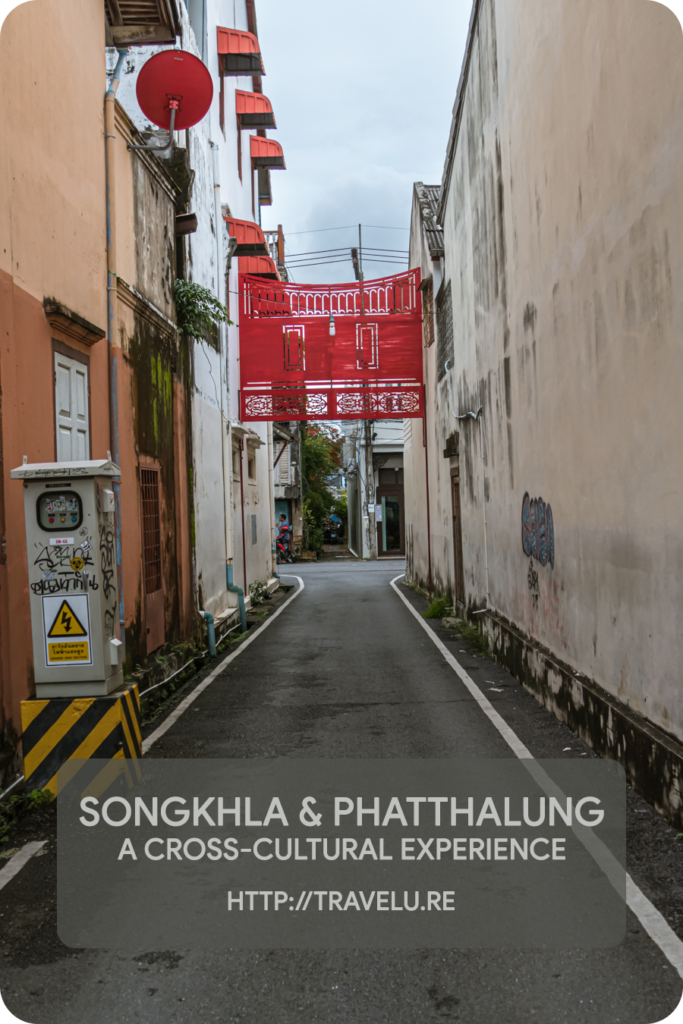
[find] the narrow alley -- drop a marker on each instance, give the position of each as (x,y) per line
(346,670)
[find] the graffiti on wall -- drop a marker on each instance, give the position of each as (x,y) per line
(538,531)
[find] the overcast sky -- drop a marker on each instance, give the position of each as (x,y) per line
(362,93)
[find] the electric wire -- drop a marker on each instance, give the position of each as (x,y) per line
(346,248)
(347,227)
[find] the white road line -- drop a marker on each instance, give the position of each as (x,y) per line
(16,863)
(184,705)
(650,918)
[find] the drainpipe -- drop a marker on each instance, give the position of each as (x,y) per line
(222,328)
(110,158)
(210,633)
(244,536)
(429,525)
(271,496)
(240,596)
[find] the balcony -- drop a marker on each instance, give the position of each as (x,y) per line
(139,22)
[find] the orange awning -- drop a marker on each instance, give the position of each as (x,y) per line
(259,266)
(254,110)
(266,153)
(250,238)
(239,53)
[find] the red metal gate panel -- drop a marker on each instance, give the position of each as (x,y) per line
(321,352)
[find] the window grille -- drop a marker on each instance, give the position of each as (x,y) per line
(444,325)
(151,530)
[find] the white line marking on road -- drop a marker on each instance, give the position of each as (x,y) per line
(650,918)
(14,866)
(184,704)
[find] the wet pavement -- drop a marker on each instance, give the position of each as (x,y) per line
(346,671)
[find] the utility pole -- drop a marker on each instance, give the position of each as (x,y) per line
(370,492)
(371,536)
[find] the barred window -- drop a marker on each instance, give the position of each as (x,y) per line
(151,532)
(428,313)
(444,325)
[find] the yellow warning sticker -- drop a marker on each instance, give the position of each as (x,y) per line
(66,630)
(69,652)
(77,563)
(66,623)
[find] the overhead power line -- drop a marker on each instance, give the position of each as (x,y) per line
(345,248)
(346,227)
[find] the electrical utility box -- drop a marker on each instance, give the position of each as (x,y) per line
(69,511)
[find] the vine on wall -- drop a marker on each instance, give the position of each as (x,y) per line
(199,311)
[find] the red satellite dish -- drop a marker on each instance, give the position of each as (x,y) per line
(174,77)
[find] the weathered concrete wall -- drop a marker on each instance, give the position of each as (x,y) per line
(563,242)
(428,526)
(153,378)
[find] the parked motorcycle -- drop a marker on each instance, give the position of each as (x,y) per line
(283,546)
(333,531)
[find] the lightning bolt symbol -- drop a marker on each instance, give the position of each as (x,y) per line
(66,621)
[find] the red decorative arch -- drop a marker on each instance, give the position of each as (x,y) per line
(331,352)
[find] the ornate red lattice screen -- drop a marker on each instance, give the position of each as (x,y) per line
(320,352)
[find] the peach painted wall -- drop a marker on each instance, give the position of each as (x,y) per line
(52,244)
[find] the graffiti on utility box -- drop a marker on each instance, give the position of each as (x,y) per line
(538,531)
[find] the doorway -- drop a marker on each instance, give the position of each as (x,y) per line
(391,541)
(457,539)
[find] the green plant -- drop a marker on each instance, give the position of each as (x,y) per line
(16,806)
(259,593)
(438,609)
(320,459)
(341,507)
(198,310)
(476,639)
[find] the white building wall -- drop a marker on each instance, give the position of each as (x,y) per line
(215,384)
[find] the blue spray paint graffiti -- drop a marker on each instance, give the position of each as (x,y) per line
(538,531)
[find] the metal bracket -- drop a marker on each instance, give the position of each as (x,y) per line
(151,147)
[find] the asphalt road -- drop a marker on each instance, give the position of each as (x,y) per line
(346,671)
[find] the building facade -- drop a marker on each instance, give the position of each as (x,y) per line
(552,429)
(373,470)
(93,237)
(233,518)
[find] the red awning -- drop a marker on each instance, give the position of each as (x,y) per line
(266,153)
(254,110)
(259,266)
(250,238)
(239,53)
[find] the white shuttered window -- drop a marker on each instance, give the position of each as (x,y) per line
(71,407)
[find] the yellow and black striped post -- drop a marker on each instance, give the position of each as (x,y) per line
(60,729)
